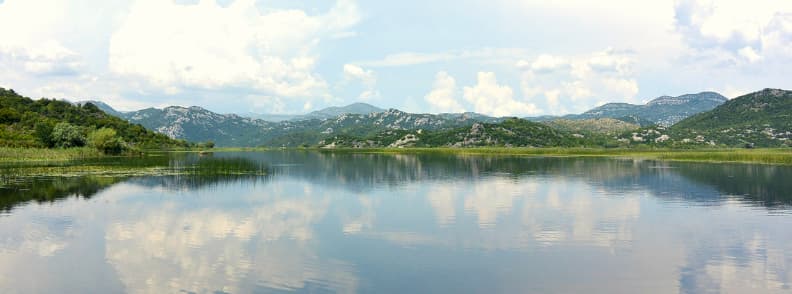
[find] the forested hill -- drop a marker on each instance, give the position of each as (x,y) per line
(25,122)
(759,119)
(511,132)
(762,118)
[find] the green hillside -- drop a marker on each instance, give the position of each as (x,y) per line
(509,133)
(25,122)
(762,118)
(606,125)
(759,119)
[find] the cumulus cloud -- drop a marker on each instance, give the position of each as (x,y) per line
(367,77)
(354,72)
(490,55)
(742,32)
(610,61)
(29,44)
(750,54)
(572,84)
(489,97)
(212,46)
(544,64)
(442,98)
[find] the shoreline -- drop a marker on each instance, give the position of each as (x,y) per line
(773,156)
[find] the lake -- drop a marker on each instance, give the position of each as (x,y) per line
(377,223)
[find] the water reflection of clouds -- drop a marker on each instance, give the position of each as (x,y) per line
(551,211)
(736,264)
(269,244)
(165,243)
(43,237)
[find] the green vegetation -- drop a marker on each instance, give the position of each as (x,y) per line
(51,182)
(763,156)
(15,154)
(159,164)
(511,132)
(47,123)
(106,140)
(760,119)
(607,126)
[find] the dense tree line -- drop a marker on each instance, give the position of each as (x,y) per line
(50,123)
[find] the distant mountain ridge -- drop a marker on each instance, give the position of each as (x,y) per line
(359,120)
(512,132)
(663,111)
(102,106)
(197,124)
(330,112)
(759,119)
(762,118)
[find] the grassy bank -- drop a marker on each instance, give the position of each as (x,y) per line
(763,156)
(9,155)
(44,155)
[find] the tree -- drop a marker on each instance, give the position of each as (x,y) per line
(106,140)
(65,135)
(9,116)
(43,131)
(209,144)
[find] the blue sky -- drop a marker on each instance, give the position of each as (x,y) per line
(497,57)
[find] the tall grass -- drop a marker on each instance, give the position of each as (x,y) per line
(764,156)
(9,154)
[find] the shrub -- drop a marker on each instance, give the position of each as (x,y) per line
(43,132)
(66,135)
(9,116)
(106,140)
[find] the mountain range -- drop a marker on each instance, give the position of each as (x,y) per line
(330,112)
(663,111)
(197,124)
(366,125)
(759,119)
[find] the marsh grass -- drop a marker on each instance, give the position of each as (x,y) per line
(9,154)
(763,156)
(158,164)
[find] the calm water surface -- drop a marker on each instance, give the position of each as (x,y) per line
(405,224)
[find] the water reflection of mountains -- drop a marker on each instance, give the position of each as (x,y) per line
(674,181)
(709,184)
(182,173)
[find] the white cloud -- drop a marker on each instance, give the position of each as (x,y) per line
(442,98)
(749,54)
(354,72)
(777,37)
(29,43)
(488,97)
(545,64)
(367,77)
(489,55)
(573,84)
(410,58)
(620,87)
(211,46)
(732,27)
(369,94)
(609,61)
